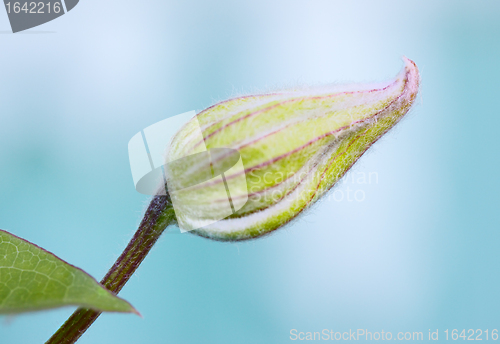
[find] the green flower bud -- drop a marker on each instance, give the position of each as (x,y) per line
(276,154)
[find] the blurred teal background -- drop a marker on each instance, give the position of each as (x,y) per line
(419,252)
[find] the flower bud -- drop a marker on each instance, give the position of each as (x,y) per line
(276,154)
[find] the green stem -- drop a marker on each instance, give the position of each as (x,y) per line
(158,216)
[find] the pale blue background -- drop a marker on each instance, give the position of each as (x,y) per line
(420,252)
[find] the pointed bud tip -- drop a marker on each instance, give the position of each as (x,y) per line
(412,75)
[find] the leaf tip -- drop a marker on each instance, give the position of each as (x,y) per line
(136,312)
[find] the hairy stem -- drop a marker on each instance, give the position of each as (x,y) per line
(158,216)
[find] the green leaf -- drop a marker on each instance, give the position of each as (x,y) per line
(33,279)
